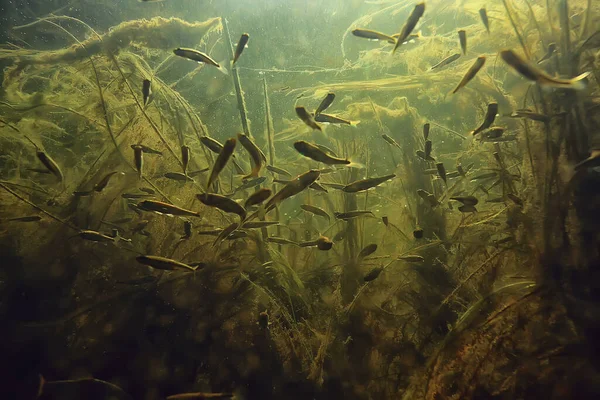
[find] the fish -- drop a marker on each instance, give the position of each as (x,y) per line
(138,159)
(325,149)
(198,172)
(352,214)
(280,240)
(146,91)
(487,175)
(95,236)
(200,396)
(315,210)
(462,36)
(255,154)
(418,233)
(463,171)
(294,187)
(365,184)
(390,140)
(530,115)
(426,128)
(441,171)
(373,35)
(212,144)
(549,53)
(26,218)
(277,170)
(538,76)
(258,224)
(257,197)
(412,258)
(490,116)
(373,274)
(592,161)
(163,263)
(367,251)
(147,190)
(222,203)
(178,176)
(484,19)
(466,200)
(421,154)
(241,45)
(492,133)
(50,164)
(98,187)
(314,153)
(185,157)
(428,148)
(410,24)
(307,118)
(448,60)
(225,233)
(332,119)
(187,229)
(515,199)
(467,209)
(146,149)
(325,103)
(322,243)
(221,161)
(428,197)
(135,195)
(199,57)
(473,70)
(165,208)
(249,184)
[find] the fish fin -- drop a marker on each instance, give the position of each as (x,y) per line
(222,67)
(354,123)
(580,82)
(355,165)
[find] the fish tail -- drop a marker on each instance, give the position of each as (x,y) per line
(222,67)
(580,82)
(355,165)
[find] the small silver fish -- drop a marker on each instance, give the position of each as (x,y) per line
(257,197)
(462,36)
(199,57)
(255,154)
(373,35)
(441,171)
(278,170)
(222,203)
(178,176)
(549,53)
(390,140)
(27,218)
(295,186)
(365,184)
(367,251)
(325,103)
(373,274)
(352,214)
(241,45)
(410,24)
(467,200)
(224,156)
(412,258)
(484,19)
(473,70)
(448,60)
(538,76)
(165,208)
(313,152)
(163,263)
(98,187)
(315,210)
(138,159)
(185,157)
(146,91)
(490,116)
(332,119)
(307,118)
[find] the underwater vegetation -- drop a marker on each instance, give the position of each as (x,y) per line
(405,210)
